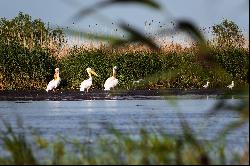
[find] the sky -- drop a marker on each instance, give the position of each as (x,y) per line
(203,13)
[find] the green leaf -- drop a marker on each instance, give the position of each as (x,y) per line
(113,41)
(189,28)
(136,36)
(205,58)
(86,11)
(229,128)
(148,3)
(133,36)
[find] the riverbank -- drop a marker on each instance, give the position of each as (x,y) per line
(74,95)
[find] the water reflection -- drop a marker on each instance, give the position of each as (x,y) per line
(88,105)
(112,105)
(55,105)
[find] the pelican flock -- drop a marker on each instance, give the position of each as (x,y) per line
(53,84)
(206,86)
(109,84)
(86,84)
(231,85)
(112,81)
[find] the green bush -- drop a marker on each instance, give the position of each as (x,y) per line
(235,61)
(26,52)
(22,69)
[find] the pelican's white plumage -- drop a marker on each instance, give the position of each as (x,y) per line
(86,84)
(111,82)
(206,86)
(53,84)
(231,85)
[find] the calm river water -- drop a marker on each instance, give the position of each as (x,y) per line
(89,118)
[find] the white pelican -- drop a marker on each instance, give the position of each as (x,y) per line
(206,86)
(231,85)
(86,84)
(53,84)
(111,82)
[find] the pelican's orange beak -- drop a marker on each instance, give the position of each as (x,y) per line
(93,72)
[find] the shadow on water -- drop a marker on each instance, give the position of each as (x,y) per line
(151,94)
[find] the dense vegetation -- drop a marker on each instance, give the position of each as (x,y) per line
(30,51)
(186,73)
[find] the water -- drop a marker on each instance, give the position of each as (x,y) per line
(90,118)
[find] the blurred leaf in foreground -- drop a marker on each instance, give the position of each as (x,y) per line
(102,4)
(136,36)
(206,59)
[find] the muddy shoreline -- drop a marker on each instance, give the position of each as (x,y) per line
(73,95)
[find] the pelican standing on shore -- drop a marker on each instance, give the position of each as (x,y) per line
(112,81)
(53,84)
(206,86)
(231,85)
(86,84)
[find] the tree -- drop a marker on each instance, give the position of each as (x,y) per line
(29,33)
(227,34)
